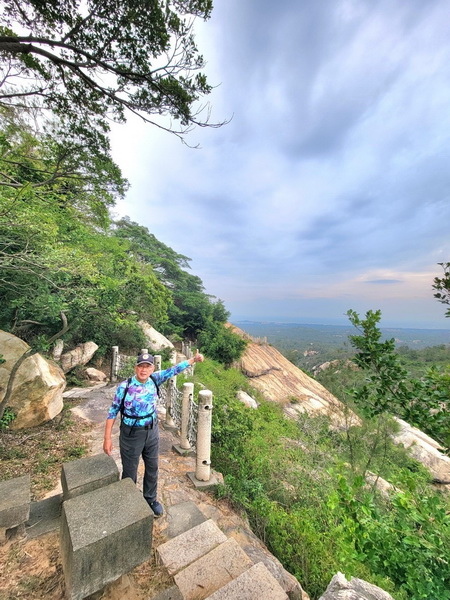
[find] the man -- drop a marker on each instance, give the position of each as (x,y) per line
(139,433)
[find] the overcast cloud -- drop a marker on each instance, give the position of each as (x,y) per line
(329,188)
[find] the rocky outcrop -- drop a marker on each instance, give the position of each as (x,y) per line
(95,375)
(355,589)
(58,349)
(80,355)
(335,364)
(424,449)
(38,384)
(156,341)
(280,381)
(246,399)
(384,487)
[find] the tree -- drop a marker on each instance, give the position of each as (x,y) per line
(88,62)
(220,343)
(423,402)
(191,309)
(442,286)
(58,253)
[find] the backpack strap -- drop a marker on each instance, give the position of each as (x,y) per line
(122,402)
(156,385)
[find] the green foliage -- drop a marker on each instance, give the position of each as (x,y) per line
(406,540)
(59,253)
(8,416)
(90,63)
(126,368)
(423,402)
(315,514)
(190,309)
(220,343)
(442,286)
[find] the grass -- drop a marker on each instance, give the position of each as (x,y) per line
(41,451)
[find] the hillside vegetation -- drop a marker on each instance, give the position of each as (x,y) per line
(303,488)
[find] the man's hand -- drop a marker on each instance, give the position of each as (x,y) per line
(198,357)
(107,439)
(107,446)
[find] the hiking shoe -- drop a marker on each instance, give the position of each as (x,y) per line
(156,508)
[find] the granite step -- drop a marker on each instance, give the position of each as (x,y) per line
(212,571)
(186,548)
(256,583)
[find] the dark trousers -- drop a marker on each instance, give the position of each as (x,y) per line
(135,442)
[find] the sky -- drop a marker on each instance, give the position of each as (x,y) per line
(329,187)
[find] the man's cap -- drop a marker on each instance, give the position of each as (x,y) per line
(144,358)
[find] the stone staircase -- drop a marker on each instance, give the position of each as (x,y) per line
(206,565)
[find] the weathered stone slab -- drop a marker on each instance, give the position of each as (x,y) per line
(182,517)
(104,534)
(258,553)
(15,502)
(213,571)
(254,584)
(44,516)
(88,474)
(181,551)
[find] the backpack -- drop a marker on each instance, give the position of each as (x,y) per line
(122,402)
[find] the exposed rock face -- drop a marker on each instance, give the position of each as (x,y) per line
(281,381)
(156,341)
(335,364)
(383,486)
(38,384)
(355,589)
(246,399)
(95,375)
(58,349)
(80,355)
(424,449)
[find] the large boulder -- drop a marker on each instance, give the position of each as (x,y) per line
(155,340)
(80,355)
(424,449)
(95,375)
(280,381)
(38,384)
(354,589)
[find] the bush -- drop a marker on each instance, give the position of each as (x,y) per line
(221,344)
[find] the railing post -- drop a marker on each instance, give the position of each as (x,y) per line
(203,467)
(188,391)
(144,351)
(157,362)
(173,357)
(169,423)
(114,362)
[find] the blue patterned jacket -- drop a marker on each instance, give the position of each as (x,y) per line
(141,398)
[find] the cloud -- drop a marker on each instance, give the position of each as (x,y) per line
(331,181)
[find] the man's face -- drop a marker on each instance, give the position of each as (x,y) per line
(143,371)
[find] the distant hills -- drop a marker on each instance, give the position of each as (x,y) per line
(282,335)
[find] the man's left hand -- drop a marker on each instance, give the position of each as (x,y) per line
(198,357)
